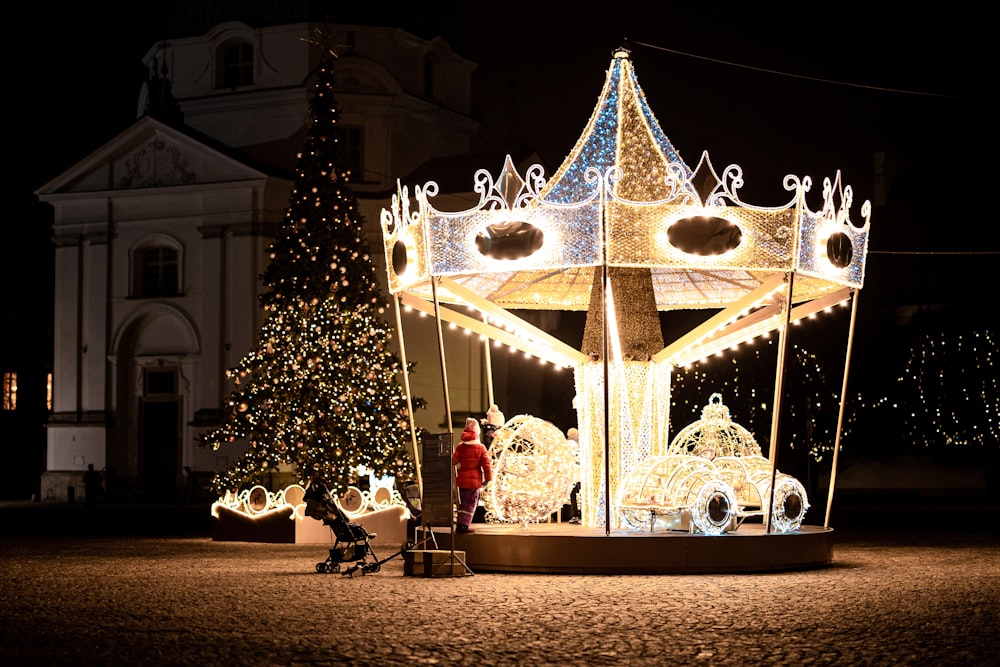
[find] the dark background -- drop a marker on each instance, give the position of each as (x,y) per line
(777,89)
(786,88)
(780,88)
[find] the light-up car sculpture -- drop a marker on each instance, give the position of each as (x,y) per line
(711,479)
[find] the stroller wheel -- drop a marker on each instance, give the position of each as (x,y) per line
(374,567)
(321,567)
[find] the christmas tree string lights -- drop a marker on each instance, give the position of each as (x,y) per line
(322,389)
(939,395)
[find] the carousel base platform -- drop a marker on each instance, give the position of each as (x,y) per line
(564,548)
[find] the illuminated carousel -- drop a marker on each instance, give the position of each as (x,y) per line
(625,230)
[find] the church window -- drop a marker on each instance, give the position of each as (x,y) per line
(352,150)
(429,77)
(235,65)
(157,272)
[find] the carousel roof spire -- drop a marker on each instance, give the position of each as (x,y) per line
(622,132)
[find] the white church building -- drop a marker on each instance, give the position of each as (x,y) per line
(161,235)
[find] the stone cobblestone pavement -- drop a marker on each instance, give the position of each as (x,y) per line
(899,598)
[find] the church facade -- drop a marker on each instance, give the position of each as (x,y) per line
(161,234)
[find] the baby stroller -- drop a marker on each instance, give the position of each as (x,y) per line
(352,540)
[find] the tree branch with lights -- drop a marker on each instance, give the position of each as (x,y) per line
(322,388)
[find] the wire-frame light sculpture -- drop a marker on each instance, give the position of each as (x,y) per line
(625,230)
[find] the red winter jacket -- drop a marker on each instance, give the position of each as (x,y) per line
(474,468)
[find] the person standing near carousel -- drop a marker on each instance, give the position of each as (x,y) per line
(494,420)
(474,470)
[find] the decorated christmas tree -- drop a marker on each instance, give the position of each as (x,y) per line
(322,389)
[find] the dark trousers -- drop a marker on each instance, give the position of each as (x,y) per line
(468,501)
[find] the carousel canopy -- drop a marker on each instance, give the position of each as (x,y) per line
(624,199)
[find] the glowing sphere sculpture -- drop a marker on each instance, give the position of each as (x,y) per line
(534,471)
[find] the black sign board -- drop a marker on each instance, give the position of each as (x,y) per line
(437,505)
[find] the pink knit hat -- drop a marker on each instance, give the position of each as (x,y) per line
(471,431)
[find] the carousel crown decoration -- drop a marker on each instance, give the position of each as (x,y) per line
(405,245)
(832,246)
(622,197)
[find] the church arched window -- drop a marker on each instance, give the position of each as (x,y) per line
(156,271)
(234,64)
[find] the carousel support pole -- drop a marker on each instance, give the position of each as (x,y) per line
(843,400)
(488,361)
(607,401)
(779,376)
(447,410)
(444,384)
(415,451)
(444,368)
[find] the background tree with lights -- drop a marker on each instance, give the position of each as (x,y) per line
(322,388)
(936,393)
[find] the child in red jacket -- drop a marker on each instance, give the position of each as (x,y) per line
(474,470)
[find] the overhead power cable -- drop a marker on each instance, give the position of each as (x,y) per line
(796,76)
(934,252)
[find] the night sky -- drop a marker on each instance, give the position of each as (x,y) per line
(774,90)
(794,88)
